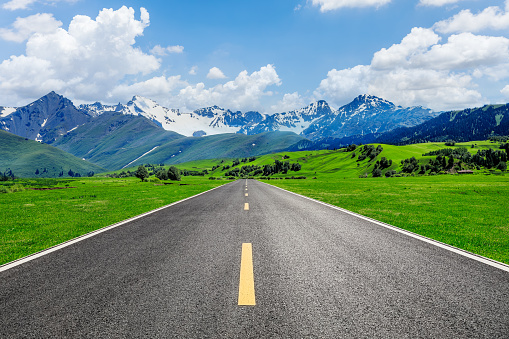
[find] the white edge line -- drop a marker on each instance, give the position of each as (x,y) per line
(451,248)
(49,250)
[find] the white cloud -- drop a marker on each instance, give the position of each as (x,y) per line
(437,3)
(18,4)
(87,60)
(505,92)
(418,41)
(243,93)
(193,70)
(290,102)
(490,18)
(24,4)
(175,49)
(23,28)
(157,88)
(215,73)
(423,71)
(162,51)
(329,5)
(463,52)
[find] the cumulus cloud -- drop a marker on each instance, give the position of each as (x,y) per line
(23,28)
(424,70)
(242,93)
(193,70)
(290,102)
(329,5)
(162,51)
(86,61)
(490,18)
(215,73)
(438,3)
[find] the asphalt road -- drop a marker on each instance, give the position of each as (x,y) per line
(318,272)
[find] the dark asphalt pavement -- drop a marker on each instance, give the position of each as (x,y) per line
(318,273)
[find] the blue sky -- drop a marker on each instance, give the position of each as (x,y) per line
(270,56)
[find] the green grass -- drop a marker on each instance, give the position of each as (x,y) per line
(469,212)
(35,220)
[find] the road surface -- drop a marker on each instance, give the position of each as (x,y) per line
(309,270)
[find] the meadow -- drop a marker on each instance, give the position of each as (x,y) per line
(33,220)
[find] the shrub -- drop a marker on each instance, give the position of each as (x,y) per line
(173,173)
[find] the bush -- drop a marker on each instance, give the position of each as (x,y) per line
(174,173)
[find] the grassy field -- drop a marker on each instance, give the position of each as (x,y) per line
(33,220)
(469,212)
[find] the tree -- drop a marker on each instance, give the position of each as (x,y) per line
(161,174)
(174,173)
(141,173)
(450,163)
(377,173)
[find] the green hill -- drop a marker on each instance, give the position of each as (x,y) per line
(25,158)
(340,163)
(113,139)
(220,146)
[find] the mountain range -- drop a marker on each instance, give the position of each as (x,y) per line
(366,114)
(140,131)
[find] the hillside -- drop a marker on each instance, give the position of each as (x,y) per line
(113,139)
(25,158)
(467,125)
(350,163)
(220,146)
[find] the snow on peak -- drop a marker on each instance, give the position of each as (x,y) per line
(5,111)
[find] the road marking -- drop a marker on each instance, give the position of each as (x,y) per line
(434,242)
(246,206)
(246,282)
(246,194)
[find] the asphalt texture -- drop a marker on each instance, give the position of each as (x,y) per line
(318,273)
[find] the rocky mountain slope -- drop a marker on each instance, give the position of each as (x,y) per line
(45,119)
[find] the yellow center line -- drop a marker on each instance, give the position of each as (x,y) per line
(246,206)
(246,283)
(246,194)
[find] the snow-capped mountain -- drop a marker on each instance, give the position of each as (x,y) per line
(54,115)
(217,120)
(366,114)
(45,119)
